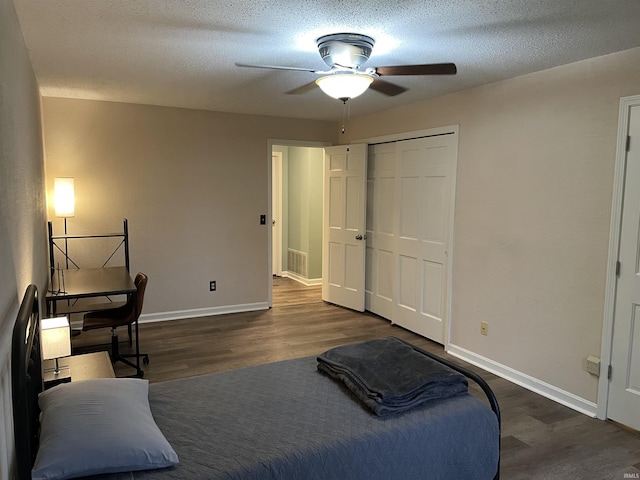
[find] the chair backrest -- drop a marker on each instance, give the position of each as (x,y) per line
(141,285)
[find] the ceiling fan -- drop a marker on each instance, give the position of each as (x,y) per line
(346,54)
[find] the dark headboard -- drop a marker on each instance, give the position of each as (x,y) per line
(26,381)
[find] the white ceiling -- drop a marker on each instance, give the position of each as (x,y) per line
(182,52)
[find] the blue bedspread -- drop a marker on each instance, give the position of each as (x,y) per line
(286,421)
(389,376)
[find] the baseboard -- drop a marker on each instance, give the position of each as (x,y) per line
(309,282)
(530,383)
(201,312)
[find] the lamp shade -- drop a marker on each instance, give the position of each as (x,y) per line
(55,337)
(64,197)
(344,85)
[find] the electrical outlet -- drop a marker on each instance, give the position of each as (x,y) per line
(593,365)
(212,286)
(484,328)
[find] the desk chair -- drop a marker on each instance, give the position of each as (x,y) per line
(127,314)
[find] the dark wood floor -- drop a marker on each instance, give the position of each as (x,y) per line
(540,438)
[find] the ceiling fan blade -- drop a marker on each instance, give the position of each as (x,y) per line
(426,69)
(303,89)
(387,88)
(276,67)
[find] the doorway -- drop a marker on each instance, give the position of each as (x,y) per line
(296,214)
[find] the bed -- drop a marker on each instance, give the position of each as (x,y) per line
(283,420)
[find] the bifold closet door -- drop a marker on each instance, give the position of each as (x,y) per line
(409,238)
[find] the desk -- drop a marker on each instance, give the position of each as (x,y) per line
(86,283)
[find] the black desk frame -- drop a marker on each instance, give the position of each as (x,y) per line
(124,235)
(78,283)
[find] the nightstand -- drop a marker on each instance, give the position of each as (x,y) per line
(82,367)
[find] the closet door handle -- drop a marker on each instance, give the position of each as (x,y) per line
(358,237)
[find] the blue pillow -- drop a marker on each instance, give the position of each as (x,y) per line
(99,426)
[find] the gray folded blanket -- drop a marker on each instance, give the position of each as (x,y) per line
(389,376)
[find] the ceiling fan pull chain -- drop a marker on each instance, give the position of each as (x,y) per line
(344,113)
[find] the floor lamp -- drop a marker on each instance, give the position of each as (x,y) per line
(64,204)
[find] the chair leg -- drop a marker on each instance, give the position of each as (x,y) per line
(116,356)
(115,349)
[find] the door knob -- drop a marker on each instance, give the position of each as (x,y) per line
(358,237)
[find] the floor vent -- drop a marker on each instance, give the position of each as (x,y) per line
(297,262)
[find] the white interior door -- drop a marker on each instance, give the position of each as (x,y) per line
(343,245)
(424,198)
(624,388)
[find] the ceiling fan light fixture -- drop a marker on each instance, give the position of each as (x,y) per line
(344,85)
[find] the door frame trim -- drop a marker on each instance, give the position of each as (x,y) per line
(276,169)
(271,142)
(397,137)
(614,251)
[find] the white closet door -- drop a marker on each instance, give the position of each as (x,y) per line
(409,238)
(423,193)
(382,230)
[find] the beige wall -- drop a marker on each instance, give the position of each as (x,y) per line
(23,257)
(534,191)
(192,183)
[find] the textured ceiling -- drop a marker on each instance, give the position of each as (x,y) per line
(182,52)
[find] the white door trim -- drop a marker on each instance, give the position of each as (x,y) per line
(409,135)
(271,142)
(276,217)
(614,246)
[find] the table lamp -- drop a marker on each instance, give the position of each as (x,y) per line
(55,337)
